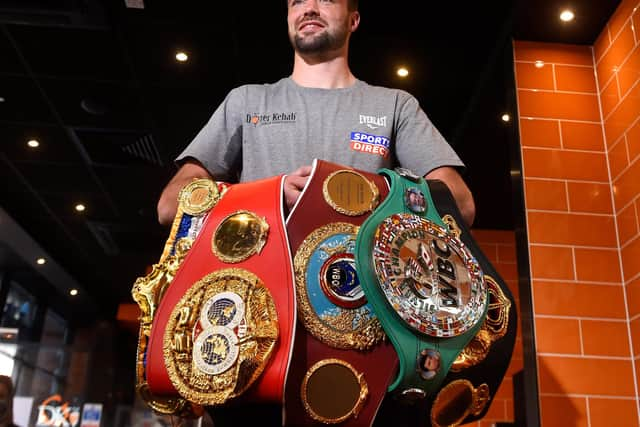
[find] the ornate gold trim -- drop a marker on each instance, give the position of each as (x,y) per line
(374,195)
(256,332)
(452,225)
(233,245)
(367,334)
(357,407)
(147,292)
(445,401)
(493,328)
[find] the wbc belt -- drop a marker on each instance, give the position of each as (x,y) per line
(226,322)
(425,286)
(343,365)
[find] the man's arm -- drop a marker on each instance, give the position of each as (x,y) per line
(168,203)
(459,189)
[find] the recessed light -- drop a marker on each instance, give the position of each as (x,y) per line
(33,143)
(506,117)
(181,56)
(539,64)
(567,15)
(402,72)
(73,292)
(41,261)
(80,207)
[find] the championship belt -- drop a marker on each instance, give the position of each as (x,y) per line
(195,201)
(226,322)
(426,287)
(478,370)
(343,365)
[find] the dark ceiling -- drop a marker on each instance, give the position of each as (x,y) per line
(96,83)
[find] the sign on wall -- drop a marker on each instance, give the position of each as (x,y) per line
(53,412)
(91,415)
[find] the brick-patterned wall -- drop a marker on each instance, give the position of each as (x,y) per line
(574,183)
(617,58)
(499,247)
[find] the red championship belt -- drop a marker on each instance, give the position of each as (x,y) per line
(343,365)
(225,325)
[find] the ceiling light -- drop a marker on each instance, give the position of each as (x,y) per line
(80,207)
(41,261)
(567,15)
(73,292)
(402,72)
(539,64)
(506,117)
(1,99)
(181,56)
(33,143)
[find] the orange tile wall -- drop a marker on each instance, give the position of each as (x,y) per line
(499,247)
(580,144)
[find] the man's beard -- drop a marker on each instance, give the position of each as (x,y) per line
(319,43)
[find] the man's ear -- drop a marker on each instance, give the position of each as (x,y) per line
(355,20)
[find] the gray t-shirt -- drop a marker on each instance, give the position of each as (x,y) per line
(265,130)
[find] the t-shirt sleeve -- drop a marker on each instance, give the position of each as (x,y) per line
(420,147)
(218,145)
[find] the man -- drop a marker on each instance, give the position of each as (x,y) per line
(320,111)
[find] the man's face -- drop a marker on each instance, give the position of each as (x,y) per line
(317,26)
(431,363)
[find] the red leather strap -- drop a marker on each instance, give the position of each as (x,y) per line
(272,265)
(378,364)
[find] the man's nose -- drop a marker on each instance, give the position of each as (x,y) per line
(311,7)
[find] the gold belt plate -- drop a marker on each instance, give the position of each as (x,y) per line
(220,336)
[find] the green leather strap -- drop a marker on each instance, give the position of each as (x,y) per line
(407,341)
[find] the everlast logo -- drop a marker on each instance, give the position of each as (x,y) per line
(373,122)
(271,118)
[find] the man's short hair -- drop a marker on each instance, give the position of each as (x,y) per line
(351,4)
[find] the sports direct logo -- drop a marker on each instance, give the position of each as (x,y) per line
(372,144)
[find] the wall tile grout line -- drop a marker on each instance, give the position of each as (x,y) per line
(554,119)
(617,230)
(564,317)
(562,64)
(587,357)
(566,92)
(568,150)
(612,39)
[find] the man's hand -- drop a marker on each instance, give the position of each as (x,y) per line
(294,183)
(459,190)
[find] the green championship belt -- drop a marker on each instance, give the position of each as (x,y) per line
(425,286)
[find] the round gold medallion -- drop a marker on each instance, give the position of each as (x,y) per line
(350,192)
(333,391)
(456,401)
(198,196)
(239,236)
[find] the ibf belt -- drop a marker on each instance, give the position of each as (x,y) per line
(224,328)
(480,367)
(425,286)
(343,365)
(195,201)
